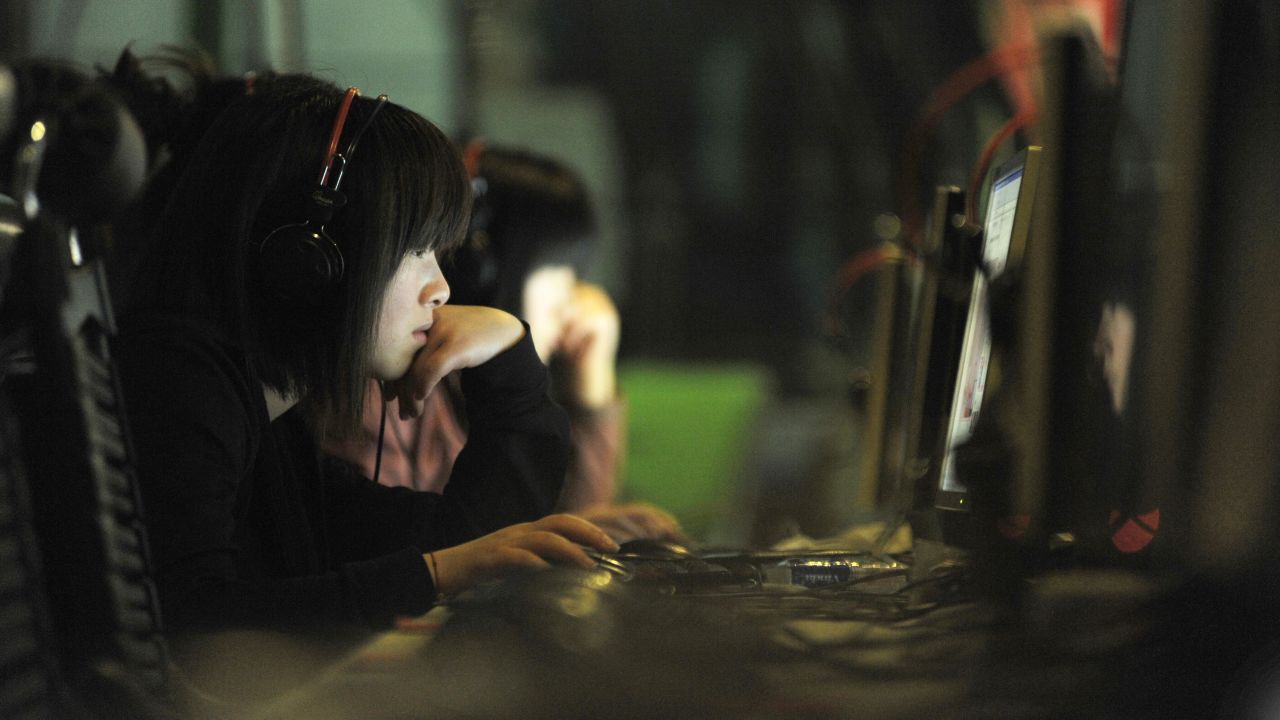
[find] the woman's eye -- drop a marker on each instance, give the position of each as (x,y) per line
(419,253)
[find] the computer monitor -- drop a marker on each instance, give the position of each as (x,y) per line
(1004,239)
(943,300)
(1197,144)
(1072,332)
(925,333)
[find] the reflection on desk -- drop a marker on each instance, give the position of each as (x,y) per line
(584,644)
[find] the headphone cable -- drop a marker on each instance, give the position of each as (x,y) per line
(382,431)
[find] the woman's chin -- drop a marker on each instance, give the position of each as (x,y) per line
(391,369)
(390,373)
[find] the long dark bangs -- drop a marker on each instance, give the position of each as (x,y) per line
(407,190)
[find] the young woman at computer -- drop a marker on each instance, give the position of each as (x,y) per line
(531,235)
(295,259)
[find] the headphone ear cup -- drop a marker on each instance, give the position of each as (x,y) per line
(300,262)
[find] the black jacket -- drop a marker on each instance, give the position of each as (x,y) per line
(251,528)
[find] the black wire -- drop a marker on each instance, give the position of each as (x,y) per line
(377,107)
(355,138)
(382,431)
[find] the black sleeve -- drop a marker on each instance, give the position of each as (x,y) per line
(511,470)
(246,529)
(234,542)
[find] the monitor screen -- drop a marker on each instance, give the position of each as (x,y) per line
(1004,231)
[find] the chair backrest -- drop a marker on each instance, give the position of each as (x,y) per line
(75,520)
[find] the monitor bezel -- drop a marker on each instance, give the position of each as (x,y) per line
(1028,160)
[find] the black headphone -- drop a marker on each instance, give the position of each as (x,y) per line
(301,258)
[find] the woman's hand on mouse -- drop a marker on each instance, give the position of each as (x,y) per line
(555,539)
(634,521)
(461,336)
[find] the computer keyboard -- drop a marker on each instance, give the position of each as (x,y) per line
(736,570)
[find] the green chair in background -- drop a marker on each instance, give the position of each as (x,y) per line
(690,428)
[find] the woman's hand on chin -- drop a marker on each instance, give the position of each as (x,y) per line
(461,336)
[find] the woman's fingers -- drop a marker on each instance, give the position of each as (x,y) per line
(636,520)
(517,557)
(462,337)
(623,528)
(556,549)
(578,530)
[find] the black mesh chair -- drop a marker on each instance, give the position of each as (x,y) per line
(78,611)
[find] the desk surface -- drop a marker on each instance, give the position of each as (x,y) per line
(567,644)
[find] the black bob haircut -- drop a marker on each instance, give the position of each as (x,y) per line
(252,172)
(530,212)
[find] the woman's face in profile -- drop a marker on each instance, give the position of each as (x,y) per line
(408,310)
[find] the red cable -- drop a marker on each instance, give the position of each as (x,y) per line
(1016,123)
(861,264)
(338,123)
(858,267)
(1000,61)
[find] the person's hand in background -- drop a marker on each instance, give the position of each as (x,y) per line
(589,346)
(634,521)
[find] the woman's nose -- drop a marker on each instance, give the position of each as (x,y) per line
(435,293)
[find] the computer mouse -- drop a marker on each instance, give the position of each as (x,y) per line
(649,547)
